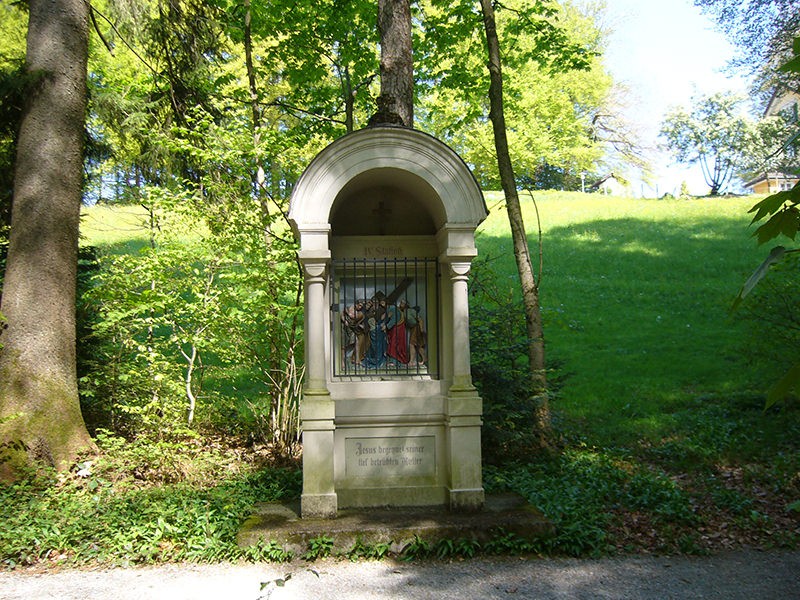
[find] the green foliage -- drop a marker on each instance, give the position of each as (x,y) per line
(505,542)
(329,59)
(270,551)
(775,147)
(368,551)
(771,311)
(784,216)
(154,310)
(446,548)
(417,548)
(182,322)
(318,547)
(79,522)
(783,220)
(548,49)
(500,364)
(461,548)
(579,492)
(714,134)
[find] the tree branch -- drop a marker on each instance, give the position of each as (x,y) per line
(121,37)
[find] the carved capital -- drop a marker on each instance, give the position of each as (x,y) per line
(315,271)
(459,270)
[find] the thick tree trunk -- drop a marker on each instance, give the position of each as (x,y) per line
(396,102)
(530,289)
(38,384)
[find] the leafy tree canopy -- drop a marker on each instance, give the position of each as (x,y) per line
(714,133)
(763,30)
(555,87)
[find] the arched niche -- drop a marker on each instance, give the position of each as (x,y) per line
(398,160)
(386,201)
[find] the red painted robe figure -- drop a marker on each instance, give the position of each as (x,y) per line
(396,333)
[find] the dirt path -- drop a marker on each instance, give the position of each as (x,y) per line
(745,574)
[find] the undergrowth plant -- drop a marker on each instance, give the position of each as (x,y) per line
(361,550)
(580,490)
(178,325)
(500,363)
(84,520)
(318,547)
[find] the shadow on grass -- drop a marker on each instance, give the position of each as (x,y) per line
(637,312)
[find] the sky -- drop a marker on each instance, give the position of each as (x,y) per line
(665,52)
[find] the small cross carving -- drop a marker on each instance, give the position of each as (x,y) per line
(382,213)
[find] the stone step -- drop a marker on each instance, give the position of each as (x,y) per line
(398,527)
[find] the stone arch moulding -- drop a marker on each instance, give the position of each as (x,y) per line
(419,155)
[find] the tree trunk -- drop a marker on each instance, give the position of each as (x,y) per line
(396,102)
(259,176)
(349,100)
(530,288)
(38,383)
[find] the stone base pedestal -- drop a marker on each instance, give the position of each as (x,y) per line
(319,506)
(466,500)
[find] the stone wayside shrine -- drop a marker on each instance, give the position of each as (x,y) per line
(386,221)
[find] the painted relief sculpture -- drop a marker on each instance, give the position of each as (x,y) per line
(380,333)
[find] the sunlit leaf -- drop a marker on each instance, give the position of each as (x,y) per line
(769,205)
(786,384)
(775,255)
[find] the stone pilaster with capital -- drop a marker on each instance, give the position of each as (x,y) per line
(317,409)
(464,405)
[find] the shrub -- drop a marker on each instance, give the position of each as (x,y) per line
(773,311)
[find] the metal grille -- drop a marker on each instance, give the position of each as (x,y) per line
(384,314)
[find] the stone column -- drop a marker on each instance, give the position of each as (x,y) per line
(315,316)
(464,405)
(462,378)
(317,409)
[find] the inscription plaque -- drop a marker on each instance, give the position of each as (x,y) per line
(390,457)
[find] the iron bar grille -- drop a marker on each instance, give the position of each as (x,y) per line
(384,317)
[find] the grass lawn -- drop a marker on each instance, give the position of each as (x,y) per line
(115,229)
(635,297)
(657,379)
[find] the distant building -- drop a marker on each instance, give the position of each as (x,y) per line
(772,183)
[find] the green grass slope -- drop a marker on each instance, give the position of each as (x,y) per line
(635,296)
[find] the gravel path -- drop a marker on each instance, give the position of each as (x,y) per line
(746,574)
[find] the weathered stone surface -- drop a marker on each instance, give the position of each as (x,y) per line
(504,513)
